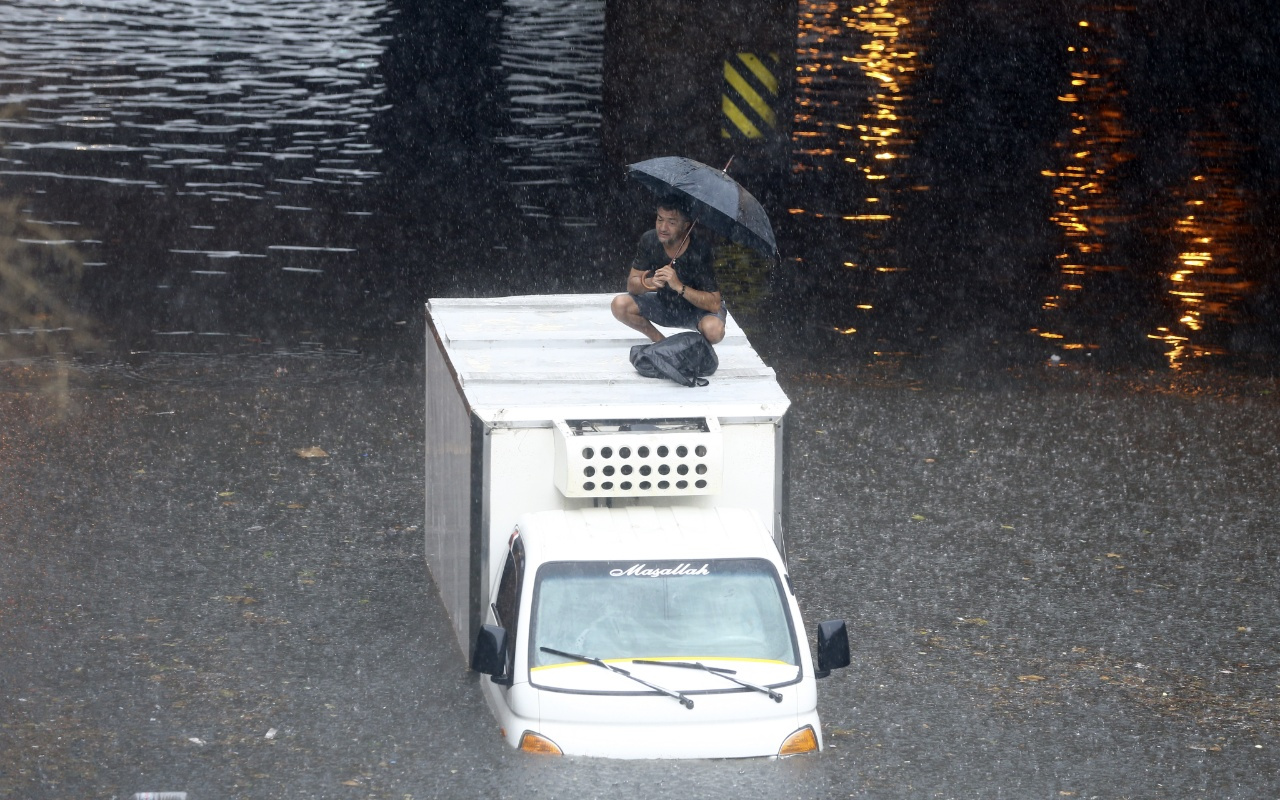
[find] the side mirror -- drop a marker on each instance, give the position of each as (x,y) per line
(489,656)
(833,647)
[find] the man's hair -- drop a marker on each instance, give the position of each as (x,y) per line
(675,202)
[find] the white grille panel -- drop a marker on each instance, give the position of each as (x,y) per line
(638,458)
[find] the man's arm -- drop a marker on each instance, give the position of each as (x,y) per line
(635,282)
(707,301)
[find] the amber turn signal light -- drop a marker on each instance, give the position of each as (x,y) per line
(531,742)
(802,741)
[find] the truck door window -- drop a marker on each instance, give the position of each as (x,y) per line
(507,605)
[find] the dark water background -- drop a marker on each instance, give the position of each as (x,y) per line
(1103,173)
(1088,180)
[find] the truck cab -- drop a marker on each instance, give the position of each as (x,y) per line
(649,632)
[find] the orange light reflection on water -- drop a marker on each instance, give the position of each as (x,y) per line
(1087,208)
(852,131)
(1206,281)
(843,48)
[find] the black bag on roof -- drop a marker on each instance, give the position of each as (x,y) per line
(684,358)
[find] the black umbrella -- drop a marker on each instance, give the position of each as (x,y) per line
(715,199)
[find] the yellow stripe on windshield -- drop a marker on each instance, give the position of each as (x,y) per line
(629,659)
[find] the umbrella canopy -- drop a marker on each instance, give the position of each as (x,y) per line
(715,199)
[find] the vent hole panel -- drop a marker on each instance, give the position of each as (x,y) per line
(623,458)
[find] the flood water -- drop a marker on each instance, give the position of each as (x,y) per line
(1084,179)
(1025,311)
(1100,172)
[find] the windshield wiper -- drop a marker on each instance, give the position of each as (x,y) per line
(727,674)
(684,701)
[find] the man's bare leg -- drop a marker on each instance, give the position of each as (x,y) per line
(627,312)
(712,328)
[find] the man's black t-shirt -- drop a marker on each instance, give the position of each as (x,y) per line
(693,266)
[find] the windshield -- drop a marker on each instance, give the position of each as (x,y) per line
(730,608)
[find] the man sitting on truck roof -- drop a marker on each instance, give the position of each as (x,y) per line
(672,282)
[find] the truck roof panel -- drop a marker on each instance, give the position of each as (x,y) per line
(530,359)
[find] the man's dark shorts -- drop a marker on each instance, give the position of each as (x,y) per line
(679,315)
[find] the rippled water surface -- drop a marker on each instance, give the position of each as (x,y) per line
(182,152)
(1092,179)
(194,96)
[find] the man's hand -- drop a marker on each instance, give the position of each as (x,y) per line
(666,276)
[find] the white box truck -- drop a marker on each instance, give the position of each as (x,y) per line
(610,548)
